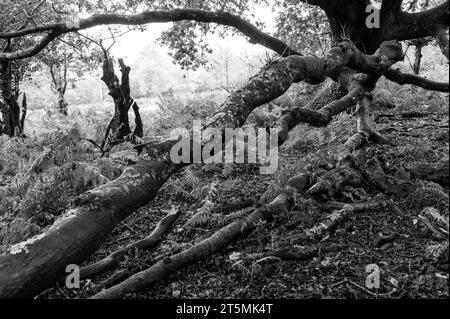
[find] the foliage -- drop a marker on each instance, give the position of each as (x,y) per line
(303,27)
(180,111)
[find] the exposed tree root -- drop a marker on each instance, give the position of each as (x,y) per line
(318,118)
(114,280)
(227,208)
(337,217)
(333,181)
(383,239)
(405,115)
(438,172)
(200,251)
(434,232)
(147,243)
(365,130)
(297,254)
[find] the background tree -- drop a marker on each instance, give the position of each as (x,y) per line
(302,26)
(67,60)
(16,16)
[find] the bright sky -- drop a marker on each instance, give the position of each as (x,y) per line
(129,45)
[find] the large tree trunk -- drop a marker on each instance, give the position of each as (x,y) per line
(10,121)
(347,21)
(29,267)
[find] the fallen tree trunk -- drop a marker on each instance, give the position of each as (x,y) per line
(116,257)
(29,267)
(200,251)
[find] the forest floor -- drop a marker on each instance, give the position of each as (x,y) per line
(408,265)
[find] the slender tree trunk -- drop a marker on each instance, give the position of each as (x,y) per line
(417,59)
(62,104)
(59,86)
(9,108)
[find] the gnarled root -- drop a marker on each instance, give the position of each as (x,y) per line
(200,251)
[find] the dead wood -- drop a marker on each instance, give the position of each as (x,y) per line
(200,251)
(113,259)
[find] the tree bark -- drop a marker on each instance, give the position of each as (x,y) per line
(31,266)
(119,127)
(200,251)
(59,85)
(9,108)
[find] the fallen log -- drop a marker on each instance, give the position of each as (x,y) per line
(29,267)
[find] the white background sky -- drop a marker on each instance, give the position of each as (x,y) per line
(129,45)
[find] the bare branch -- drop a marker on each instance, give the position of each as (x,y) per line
(31,51)
(223,18)
(420,24)
(403,78)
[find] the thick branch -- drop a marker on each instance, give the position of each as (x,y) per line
(404,78)
(315,118)
(32,50)
(276,79)
(420,24)
(256,36)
